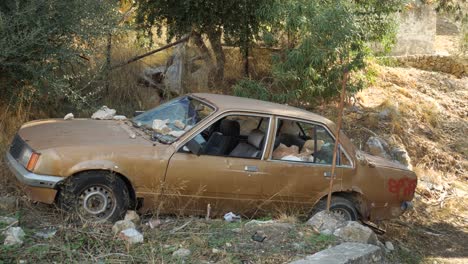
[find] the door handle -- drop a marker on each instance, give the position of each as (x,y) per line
(251,168)
(328,174)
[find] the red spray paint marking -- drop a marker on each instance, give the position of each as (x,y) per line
(406,185)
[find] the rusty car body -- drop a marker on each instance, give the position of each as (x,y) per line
(235,154)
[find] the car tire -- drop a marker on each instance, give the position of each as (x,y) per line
(338,205)
(95,196)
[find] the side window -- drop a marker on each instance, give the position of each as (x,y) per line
(241,136)
(304,142)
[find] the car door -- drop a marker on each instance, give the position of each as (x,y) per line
(300,165)
(225,182)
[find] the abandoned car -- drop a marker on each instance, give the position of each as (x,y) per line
(205,150)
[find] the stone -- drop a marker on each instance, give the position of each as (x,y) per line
(377,146)
(355,232)
(132,216)
(13,236)
(325,222)
(122,225)
(401,155)
(389,245)
(8,203)
(160,126)
(104,113)
(46,233)
(69,116)
(182,253)
(346,253)
(131,236)
(215,251)
(6,220)
(120,117)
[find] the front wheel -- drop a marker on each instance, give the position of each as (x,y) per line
(339,206)
(95,196)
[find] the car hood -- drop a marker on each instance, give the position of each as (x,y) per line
(53,133)
(375,161)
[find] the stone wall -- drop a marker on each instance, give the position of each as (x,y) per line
(417,30)
(447,64)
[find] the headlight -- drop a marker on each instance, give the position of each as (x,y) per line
(28,158)
(25,156)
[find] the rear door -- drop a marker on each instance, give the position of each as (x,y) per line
(225,182)
(300,164)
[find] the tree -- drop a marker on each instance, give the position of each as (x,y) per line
(239,21)
(45,44)
(324,38)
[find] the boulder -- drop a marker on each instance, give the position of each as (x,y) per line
(131,236)
(104,113)
(355,232)
(122,225)
(401,155)
(325,222)
(377,147)
(132,216)
(346,253)
(182,253)
(13,236)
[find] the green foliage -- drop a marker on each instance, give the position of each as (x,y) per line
(251,89)
(325,38)
(45,45)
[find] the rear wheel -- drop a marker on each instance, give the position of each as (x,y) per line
(95,196)
(339,206)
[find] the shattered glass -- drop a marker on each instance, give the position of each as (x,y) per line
(171,120)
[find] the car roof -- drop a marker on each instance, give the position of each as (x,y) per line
(233,103)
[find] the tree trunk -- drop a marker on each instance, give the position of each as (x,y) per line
(198,41)
(246,63)
(108,62)
(215,41)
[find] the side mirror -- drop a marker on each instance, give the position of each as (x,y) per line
(194,147)
(137,113)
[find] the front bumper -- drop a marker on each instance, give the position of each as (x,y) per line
(29,178)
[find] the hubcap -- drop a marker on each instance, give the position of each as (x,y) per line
(342,213)
(97,202)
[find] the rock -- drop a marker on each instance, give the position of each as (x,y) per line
(8,203)
(179,124)
(377,147)
(259,236)
(153,223)
(120,117)
(325,222)
(122,225)
(182,253)
(46,233)
(355,232)
(346,253)
(385,114)
(132,216)
(160,126)
(401,155)
(13,236)
(389,245)
(131,235)
(104,113)
(7,220)
(215,251)
(69,116)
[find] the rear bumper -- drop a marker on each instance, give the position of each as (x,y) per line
(31,179)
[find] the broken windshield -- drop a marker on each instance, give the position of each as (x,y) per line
(172,119)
